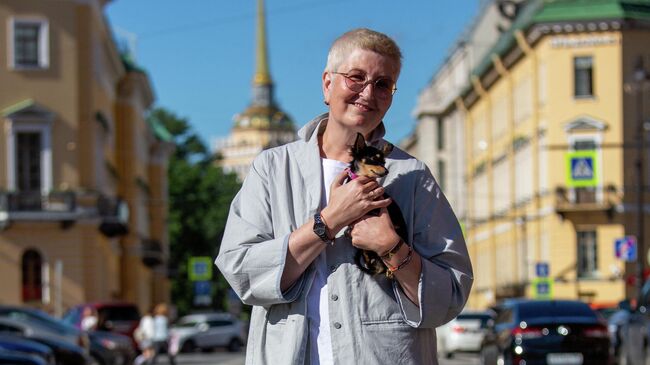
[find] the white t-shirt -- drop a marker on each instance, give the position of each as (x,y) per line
(317,299)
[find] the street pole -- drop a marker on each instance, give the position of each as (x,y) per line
(640,76)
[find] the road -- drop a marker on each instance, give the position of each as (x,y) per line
(227,358)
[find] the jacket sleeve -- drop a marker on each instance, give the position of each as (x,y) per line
(446,277)
(251,257)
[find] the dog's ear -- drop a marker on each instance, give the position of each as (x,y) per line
(387,149)
(360,142)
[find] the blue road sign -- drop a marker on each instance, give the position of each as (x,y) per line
(625,248)
(202,287)
(543,288)
(541,269)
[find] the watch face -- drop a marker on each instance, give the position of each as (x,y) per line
(320,231)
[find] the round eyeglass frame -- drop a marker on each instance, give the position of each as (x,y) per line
(359,87)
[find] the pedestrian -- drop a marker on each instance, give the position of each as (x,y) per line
(89,319)
(286,253)
(143,335)
(161,333)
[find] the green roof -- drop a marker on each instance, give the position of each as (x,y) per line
(159,130)
(130,65)
(551,11)
(575,10)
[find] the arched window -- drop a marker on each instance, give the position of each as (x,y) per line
(32,264)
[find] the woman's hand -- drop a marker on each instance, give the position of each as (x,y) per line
(351,201)
(374,233)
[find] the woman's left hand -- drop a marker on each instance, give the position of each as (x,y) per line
(374,233)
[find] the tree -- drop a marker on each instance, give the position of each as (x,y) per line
(199,194)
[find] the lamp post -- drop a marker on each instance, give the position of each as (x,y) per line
(640,77)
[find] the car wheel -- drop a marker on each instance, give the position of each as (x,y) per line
(234,345)
(189,346)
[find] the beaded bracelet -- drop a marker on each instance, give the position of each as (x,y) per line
(390,271)
(388,255)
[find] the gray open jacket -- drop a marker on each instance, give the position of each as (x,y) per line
(371,319)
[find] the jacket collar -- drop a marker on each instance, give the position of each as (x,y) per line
(309,158)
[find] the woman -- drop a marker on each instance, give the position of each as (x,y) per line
(284,251)
(143,335)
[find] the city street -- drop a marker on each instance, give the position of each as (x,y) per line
(227,358)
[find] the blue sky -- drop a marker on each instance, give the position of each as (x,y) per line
(200,54)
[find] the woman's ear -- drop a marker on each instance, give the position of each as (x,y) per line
(327,84)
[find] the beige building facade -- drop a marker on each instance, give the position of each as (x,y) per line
(83,173)
(555,84)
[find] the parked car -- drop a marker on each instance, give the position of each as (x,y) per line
(9,342)
(44,324)
(20,358)
(546,332)
(463,333)
(65,351)
(207,331)
(120,317)
(110,348)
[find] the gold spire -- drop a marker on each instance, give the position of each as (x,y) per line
(262,75)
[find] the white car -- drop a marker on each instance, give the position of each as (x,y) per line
(206,331)
(463,333)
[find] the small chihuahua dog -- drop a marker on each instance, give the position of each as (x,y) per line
(370,161)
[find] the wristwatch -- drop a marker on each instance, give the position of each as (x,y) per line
(320,228)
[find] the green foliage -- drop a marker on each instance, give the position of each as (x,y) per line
(200,195)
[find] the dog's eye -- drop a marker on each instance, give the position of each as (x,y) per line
(378,156)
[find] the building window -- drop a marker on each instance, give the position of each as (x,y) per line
(583,77)
(442,174)
(28,161)
(30,44)
(441,134)
(32,264)
(587,254)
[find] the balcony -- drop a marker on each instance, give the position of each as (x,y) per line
(35,206)
(152,252)
(66,207)
(114,215)
(586,200)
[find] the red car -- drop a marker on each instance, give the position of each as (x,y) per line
(120,317)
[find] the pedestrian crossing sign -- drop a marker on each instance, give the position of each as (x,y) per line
(582,169)
(542,288)
(200,268)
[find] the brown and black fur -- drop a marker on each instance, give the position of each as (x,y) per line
(370,161)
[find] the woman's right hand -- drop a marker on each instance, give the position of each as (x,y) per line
(351,201)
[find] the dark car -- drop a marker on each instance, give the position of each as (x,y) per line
(110,348)
(120,317)
(552,332)
(9,342)
(65,351)
(20,358)
(43,324)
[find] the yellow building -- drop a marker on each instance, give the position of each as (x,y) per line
(263,124)
(83,181)
(553,84)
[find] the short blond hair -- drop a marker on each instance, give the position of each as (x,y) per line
(366,39)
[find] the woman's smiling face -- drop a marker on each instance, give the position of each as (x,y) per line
(362,111)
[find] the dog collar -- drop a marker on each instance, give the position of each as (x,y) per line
(352,175)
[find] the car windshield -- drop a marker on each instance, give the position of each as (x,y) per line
(555,309)
(119,313)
